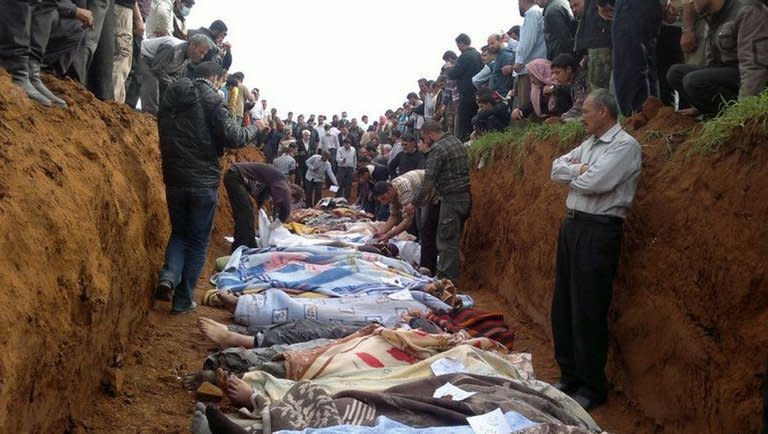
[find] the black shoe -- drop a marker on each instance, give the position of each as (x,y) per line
(567,388)
(586,402)
(164,291)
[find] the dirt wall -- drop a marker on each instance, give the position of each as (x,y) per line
(82,228)
(689,317)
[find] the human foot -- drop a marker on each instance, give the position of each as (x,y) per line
(194,380)
(228,300)
(199,421)
(692,112)
(221,336)
(239,392)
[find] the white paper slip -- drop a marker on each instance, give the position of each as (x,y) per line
(334,188)
(448,365)
(449,389)
(405,294)
(490,423)
(229,239)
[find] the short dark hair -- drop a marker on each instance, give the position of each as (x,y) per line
(218,26)
(408,137)
(239,76)
(412,95)
(484,96)
(449,55)
(463,39)
(380,188)
(431,126)
(396,133)
(514,30)
(362,170)
(565,60)
(206,70)
(346,140)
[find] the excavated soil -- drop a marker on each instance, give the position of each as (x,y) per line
(689,318)
(83,227)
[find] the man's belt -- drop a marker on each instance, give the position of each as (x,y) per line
(594,218)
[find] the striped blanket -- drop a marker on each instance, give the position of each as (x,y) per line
(325,270)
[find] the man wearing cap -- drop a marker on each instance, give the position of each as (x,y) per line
(346,160)
(262,182)
(397,194)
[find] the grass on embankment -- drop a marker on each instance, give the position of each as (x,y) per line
(748,112)
(512,140)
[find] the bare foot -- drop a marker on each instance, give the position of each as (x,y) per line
(221,336)
(229,301)
(692,111)
(239,392)
(193,380)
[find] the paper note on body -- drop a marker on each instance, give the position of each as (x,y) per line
(448,365)
(456,393)
(490,423)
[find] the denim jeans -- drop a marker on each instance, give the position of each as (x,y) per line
(191,211)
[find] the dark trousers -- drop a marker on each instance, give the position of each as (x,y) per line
(25,28)
(314,192)
(668,53)
(587,260)
(94,61)
(430,217)
(345,182)
(635,26)
(454,211)
(466,110)
(133,83)
(242,210)
(67,35)
(301,173)
(707,88)
(191,211)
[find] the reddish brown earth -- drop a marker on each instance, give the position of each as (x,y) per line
(690,310)
(83,226)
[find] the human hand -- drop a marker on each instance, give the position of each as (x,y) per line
(605,12)
(409,209)
(507,69)
(549,90)
(688,42)
(517,114)
(84,16)
(584,168)
(517,67)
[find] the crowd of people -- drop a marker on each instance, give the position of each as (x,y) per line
(588,61)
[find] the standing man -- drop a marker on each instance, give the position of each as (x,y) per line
(409,158)
(602,174)
(127,16)
(467,65)
(530,47)
(262,182)
(194,127)
(318,167)
(330,142)
(447,173)
(25,27)
(346,160)
(593,37)
(559,27)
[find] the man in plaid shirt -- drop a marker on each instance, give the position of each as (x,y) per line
(447,173)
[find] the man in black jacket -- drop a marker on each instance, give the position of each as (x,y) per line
(559,27)
(195,126)
(467,65)
(593,38)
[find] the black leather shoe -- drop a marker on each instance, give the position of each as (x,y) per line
(586,402)
(164,291)
(565,388)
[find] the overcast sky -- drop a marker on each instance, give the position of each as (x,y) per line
(361,56)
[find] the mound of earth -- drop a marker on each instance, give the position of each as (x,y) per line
(689,321)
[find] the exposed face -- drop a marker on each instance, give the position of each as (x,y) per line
(592,117)
(483,106)
(255,94)
(562,75)
(409,147)
(306,136)
(515,36)
(273,111)
(423,86)
(347,145)
(264,103)
(385,198)
(290,116)
(365,119)
(494,45)
(197,52)
(423,147)
(485,57)
(577,6)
